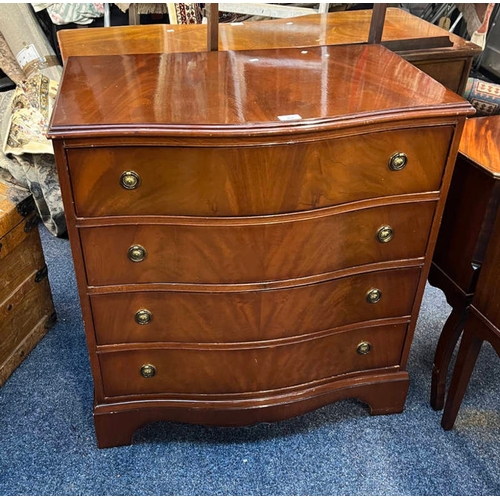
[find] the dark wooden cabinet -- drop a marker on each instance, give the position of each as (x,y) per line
(466,231)
(480,154)
(252,231)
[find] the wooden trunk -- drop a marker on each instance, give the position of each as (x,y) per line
(26,307)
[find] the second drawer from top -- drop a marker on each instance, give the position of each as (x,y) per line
(254,251)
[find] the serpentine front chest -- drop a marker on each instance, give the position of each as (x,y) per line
(251,231)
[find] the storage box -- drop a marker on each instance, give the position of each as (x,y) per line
(26,307)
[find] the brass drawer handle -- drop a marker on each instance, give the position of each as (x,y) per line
(363,348)
(373,296)
(148,371)
(385,234)
(398,161)
(143,317)
(129,179)
(136,253)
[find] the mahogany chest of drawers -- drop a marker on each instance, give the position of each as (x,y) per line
(251,231)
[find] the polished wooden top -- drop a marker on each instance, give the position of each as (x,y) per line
(305,31)
(250,92)
(481,143)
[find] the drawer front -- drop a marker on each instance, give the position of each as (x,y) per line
(252,316)
(242,370)
(255,180)
(253,253)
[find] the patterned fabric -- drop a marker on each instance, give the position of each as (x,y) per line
(36,174)
(185,13)
(484,96)
(28,172)
(18,190)
(31,110)
(145,8)
(8,62)
(65,13)
(27,41)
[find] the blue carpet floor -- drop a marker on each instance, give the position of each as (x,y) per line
(48,447)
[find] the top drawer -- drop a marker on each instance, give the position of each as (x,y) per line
(261,180)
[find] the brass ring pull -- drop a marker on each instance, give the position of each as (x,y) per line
(398,161)
(129,180)
(136,253)
(373,296)
(148,371)
(385,234)
(363,348)
(143,317)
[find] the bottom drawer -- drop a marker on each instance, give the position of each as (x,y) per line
(222,369)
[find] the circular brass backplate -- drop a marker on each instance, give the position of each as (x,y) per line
(364,348)
(143,317)
(385,234)
(148,371)
(373,295)
(398,161)
(129,180)
(136,253)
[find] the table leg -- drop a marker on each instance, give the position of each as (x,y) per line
(446,345)
(466,359)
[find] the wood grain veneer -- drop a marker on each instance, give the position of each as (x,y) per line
(408,35)
(219,369)
(252,252)
(255,180)
(255,315)
(260,232)
(174,94)
(480,143)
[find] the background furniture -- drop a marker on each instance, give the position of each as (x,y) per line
(26,308)
(442,55)
(466,229)
(483,322)
(252,231)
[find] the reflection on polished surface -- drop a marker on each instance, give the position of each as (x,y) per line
(305,31)
(234,89)
(335,28)
(480,143)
